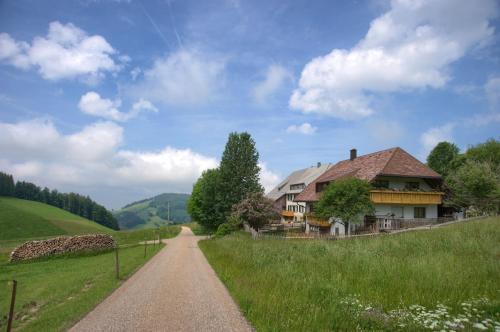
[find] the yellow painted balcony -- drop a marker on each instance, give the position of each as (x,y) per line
(316,221)
(405,197)
(286,213)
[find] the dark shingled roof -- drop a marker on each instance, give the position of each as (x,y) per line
(391,162)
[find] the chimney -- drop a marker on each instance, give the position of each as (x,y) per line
(319,164)
(354,154)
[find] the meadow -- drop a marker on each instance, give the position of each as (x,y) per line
(441,279)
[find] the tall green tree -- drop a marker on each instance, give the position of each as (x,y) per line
(204,205)
(442,156)
(475,185)
(347,200)
(239,171)
(488,152)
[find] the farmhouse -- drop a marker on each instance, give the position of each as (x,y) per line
(284,194)
(404,191)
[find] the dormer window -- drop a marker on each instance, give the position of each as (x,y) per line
(297,186)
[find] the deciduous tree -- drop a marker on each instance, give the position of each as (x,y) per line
(442,156)
(347,200)
(256,210)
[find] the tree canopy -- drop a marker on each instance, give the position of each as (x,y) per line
(475,184)
(346,199)
(239,170)
(488,152)
(256,210)
(442,156)
(217,190)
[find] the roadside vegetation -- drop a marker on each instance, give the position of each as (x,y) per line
(443,279)
(53,293)
(197,229)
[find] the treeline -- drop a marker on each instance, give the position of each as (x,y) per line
(74,203)
(471,178)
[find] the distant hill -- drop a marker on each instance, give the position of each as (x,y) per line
(152,212)
(22,219)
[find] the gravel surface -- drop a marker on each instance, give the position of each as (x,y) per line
(177,290)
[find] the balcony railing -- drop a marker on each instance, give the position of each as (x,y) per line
(286,213)
(405,197)
(316,221)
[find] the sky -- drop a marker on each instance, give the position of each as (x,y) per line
(123,100)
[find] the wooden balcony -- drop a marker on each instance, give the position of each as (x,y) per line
(316,221)
(405,197)
(286,213)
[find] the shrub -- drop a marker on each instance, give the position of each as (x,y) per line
(224,229)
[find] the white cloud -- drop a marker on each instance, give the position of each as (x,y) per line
(492,89)
(183,78)
(134,73)
(409,47)
(65,52)
(305,129)
(433,136)
(36,151)
(268,179)
(93,104)
(276,75)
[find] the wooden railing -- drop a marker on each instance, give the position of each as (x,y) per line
(405,197)
(317,221)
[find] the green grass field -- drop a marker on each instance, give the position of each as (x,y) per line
(27,219)
(22,220)
(54,293)
(408,281)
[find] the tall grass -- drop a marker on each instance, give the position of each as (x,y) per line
(299,285)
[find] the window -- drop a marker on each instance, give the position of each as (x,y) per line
(290,197)
(419,212)
(321,186)
(412,186)
(381,184)
(297,186)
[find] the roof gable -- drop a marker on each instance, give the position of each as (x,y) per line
(394,162)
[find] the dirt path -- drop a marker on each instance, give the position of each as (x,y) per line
(177,290)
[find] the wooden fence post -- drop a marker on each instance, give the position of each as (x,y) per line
(117,263)
(12,303)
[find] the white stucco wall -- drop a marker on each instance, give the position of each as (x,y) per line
(431,211)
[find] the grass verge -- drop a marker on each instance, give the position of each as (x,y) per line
(196,228)
(54,292)
(438,279)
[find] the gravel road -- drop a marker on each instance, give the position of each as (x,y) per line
(177,290)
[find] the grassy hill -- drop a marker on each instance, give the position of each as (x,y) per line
(153,212)
(439,279)
(21,219)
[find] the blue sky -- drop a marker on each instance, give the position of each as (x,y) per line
(127,99)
